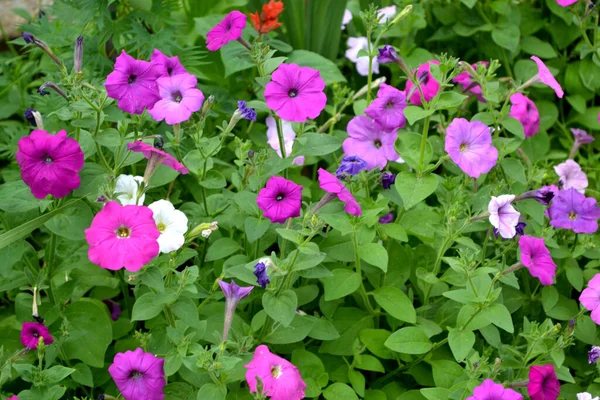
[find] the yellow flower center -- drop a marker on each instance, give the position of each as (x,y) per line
(123,232)
(572,215)
(161,227)
(276,371)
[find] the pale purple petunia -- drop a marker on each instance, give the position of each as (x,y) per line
(581,136)
(369,142)
(536,257)
(179,99)
(356,44)
(139,375)
(280,199)
(590,298)
(233,294)
(545,76)
(469,145)
(387,110)
(168,66)
(572,210)
(489,390)
(571,176)
(230,28)
(503,215)
(524,110)
(594,353)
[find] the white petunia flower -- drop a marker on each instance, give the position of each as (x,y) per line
(126,189)
(357,44)
(171,223)
(289,136)
(386,13)
(585,396)
(347,18)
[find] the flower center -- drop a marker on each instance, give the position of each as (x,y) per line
(572,215)
(48,160)
(177,97)
(169,70)
(389,104)
(377,143)
(279,197)
(293,93)
(36,335)
(131,79)
(463,147)
(276,371)
(135,375)
(424,77)
(161,227)
(123,232)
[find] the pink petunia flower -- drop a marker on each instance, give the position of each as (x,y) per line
(572,210)
(387,110)
(503,215)
(280,199)
(543,383)
(289,136)
(536,257)
(296,93)
(369,142)
(429,86)
(524,110)
(122,237)
(133,84)
(139,375)
(50,164)
(545,76)
(13,398)
(281,379)
(168,66)
(590,298)
(489,390)
(331,184)
(31,333)
(155,157)
(566,3)
(571,176)
(179,99)
(230,28)
(469,145)
(468,84)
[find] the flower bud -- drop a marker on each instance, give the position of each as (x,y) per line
(78,58)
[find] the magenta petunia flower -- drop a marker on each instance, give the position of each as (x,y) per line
(565,3)
(590,299)
(179,99)
(331,184)
(122,237)
(31,333)
(50,164)
(571,176)
(503,215)
(280,199)
(233,294)
(429,86)
(543,383)
(139,375)
(296,93)
(524,110)
(133,84)
(280,378)
(468,84)
(469,145)
(489,390)
(168,66)
(13,398)
(387,110)
(369,142)
(572,210)
(230,28)
(536,257)
(545,76)
(155,157)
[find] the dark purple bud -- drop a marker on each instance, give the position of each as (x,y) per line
(159,142)
(260,270)
(350,165)
(387,218)
(572,323)
(51,85)
(545,194)
(38,319)
(246,112)
(42,92)
(250,153)
(29,116)
(78,55)
(28,37)
(113,308)
(387,179)
(593,355)
(387,54)
(102,199)
(520,228)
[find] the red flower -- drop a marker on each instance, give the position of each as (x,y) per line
(267,20)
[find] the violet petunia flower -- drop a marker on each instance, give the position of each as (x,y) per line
(296,93)
(289,136)
(429,86)
(280,199)
(356,44)
(387,54)
(179,99)
(30,117)
(370,142)
(525,111)
(468,84)
(387,179)
(571,176)
(503,215)
(536,257)
(246,112)
(387,110)
(114,308)
(469,145)
(280,379)
(31,333)
(167,66)
(545,76)
(543,195)
(133,84)
(332,185)
(350,165)
(233,294)
(387,218)
(590,298)
(572,210)
(260,271)
(543,383)
(230,28)
(593,354)
(581,138)
(155,157)
(139,375)
(50,164)
(489,390)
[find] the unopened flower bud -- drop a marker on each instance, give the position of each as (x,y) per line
(42,89)
(78,59)
(159,142)
(250,153)
(28,37)
(34,118)
(402,14)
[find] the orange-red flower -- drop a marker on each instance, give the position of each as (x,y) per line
(267,20)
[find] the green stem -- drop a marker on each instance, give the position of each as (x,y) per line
(50,257)
(370,72)
(436,267)
(362,290)
(125,289)
(424,142)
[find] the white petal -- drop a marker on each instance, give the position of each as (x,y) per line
(126,187)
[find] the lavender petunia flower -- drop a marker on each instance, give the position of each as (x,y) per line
(572,210)
(581,136)
(247,112)
(503,215)
(571,176)
(139,375)
(593,355)
(370,142)
(233,295)
(346,19)
(350,165)
(260,270)
(230,28)
(387,110)
(469,145)
(387,54)
(387,179)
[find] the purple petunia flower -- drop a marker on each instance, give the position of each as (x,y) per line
(387,110)
(233,295)
(590,298)
(572,210)
(571,176)
(179,99)
(296,93)
(387,179)
(139,375)
(469,145)
(524,110)
(536,257)
(503,215)
(332,185)
(543,195)
(581,136)
(230,28)
(370,142)
(113,308)
(489,390)
(593,355)
(246,112)
(468,84)
(545,76)
(387,54)
(28,37)
(387,218)
(429,86)
(260,271)
(543,383)
(168,66)
(280,199)
(30,117)
(350,165)
(31,333)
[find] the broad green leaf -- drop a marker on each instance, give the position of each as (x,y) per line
(342,283)
(411,340)
(507,36)
(537,47)
(72,223)
(317,144)
(16,197)
(235,57)
(281,307)
(212,391)
(339,391)
(460,343)
(514,126)
(145,308)
(222,248)
(408,146)
(396,303)
(514,170)
(375,254)
(499,315)
(56,374)
(449,100)
(374,339)
(415,189)
(213,180)
(255,228)
(414,114)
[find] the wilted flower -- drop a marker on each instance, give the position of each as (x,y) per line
(543,383)
(155,157)
(503,215)
(171,223)
(370,142)
(233,294)
(572,210)
(387,54)
(593,355)
(350,165)
(260,270)
(536,257)
(139,375)
(543,195)
(31,333)
(43,92)
(280,199)
(387,110)
(230,28)
(246,112)
(30,117)
(581,138)
(489,390)
(469,145)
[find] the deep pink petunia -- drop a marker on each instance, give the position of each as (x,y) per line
(296,93)
(503,215)
(331,184)
(571,176)
(179,99)
(469,145)
(489,390)
(281,379)
(122,237)
(429,86)
(565,3)
(590,298)
(524,110)
(168,66)
(387,110)
(536,257)
(156,156)
(543,383)
(545,76)
(468,84)
(133,84)
(13,398)
(50,164)
(139,375)
(369,142)
(280,199)
(31,333)
(230,28)
(572,210)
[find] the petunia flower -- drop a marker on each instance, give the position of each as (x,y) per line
(387,110)
(503,215)
(469,145)
(167,66)
(347,18)
(127,188)
(133,84)
(139,375)
(387,179)
(280,379)
(334,187)
(246,112)
(280,199)
(468,84)
(565,3)
(260,271)
(356,44)
(590,299)
(296,93)
(114,309)
(369,142)
(289,136)
(429,86)
(572,210)
(525,111)
(581,138)
(122,237)
(387,218)
(179,99)
(545,76)
(12,398)
(489,390)
(50,164)
(171,223)
(536,257)
(386,13)
(571,176)
(387,54)
(543,195)
(543,383)
(233,294)
(350,165)
(31,333)
(586,396)
(593,355)
(230,28)
(155,157)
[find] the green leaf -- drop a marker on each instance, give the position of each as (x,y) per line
(56,374)
(339,391)
(414,114)
(83,375)
(413,189)
(533,45)
(507,36)
(72,223)
(327,68)
(514,126)
(109,138)
(514,170)
(16,197)
(295,332)
(375,254)
(394,231)
(409,340)
(323,330)
(449,100)
(339,222)
(235,57)
(460,343)
(396,303)
(436,393)
(499,315)
(342,283)
(222,248)
(317,144)
(367,362)
(409,147)
(256,228)
(145,308)
(446,372)
(358,381)
(282,307)
(374,340)
(213,180)
(212,391)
